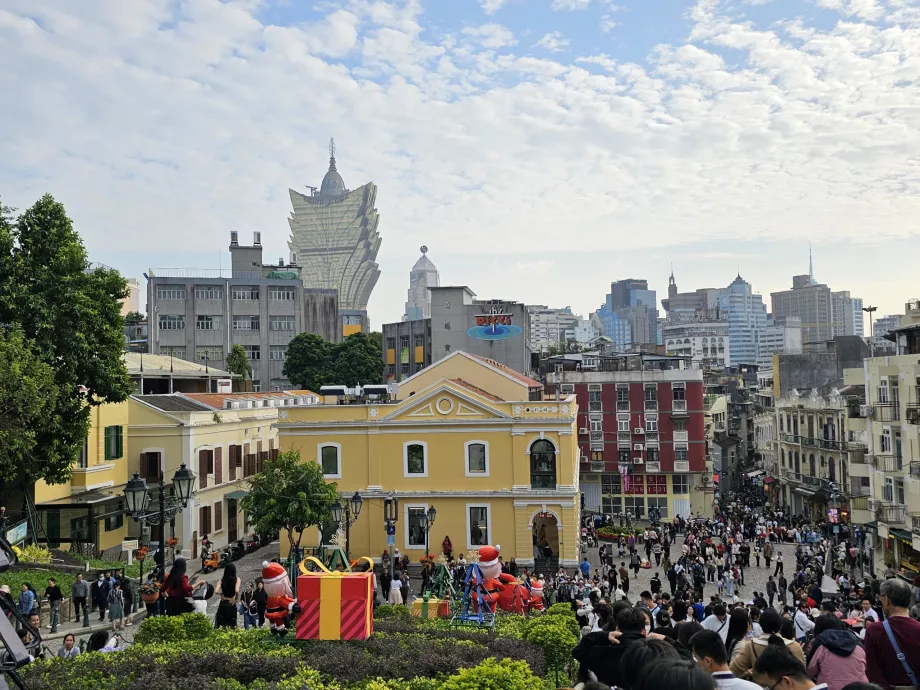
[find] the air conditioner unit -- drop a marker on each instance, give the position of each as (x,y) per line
(637,446)
(638,460)
(582,431)
(638,430)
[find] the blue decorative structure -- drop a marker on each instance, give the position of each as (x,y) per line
(484,616)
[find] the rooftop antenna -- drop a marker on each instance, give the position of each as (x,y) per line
(332,154)
(811,270)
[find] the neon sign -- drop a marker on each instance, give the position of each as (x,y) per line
(494,324)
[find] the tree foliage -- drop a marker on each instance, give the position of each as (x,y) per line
(69,316)
(238,362)
(312,362)
(289,495)
(134,317)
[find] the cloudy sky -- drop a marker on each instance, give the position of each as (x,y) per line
(540,148)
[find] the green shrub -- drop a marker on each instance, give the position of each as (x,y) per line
(564,613)
(197,626)
(555,637)
(160,629)
(38,578)
(504,674)
(390,611)
(34,553)
(563,608)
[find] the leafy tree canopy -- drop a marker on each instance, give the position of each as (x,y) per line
(307,363)
(238,362)
(290,496)
(57,308)
(312,362)
(134,317)
(358,359)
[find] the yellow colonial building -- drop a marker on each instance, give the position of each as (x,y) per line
(462,436)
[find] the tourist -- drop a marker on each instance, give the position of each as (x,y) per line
(717,622)
(836,657)
(447,547)
(116,605)
(229,590)
(598,654)
(54,596)
(100,595)
(640,656)
(710,653)
(100,641)
(739,626)
(26,599)
(177,590)
(898,634)
(742,663)
(69,648)
(782,671)
(675,674)
(248,607)
(803,620)
(261,599)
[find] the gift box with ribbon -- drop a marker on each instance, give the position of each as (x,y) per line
(334,605)
(431,607)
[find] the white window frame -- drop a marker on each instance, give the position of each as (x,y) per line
(886,436)
(409,545)
(651,423)
(596,425)
(489,534)
(414,475)
(319,458)
(277,350)
(622,425)
(466,459)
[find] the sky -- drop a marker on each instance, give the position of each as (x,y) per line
(540,148)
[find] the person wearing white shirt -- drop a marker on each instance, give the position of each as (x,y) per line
(803,622)
(717,622)
(709,652)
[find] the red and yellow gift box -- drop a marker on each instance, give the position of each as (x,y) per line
(436,608)
(334,605)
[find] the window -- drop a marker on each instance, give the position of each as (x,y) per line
(596,425)
(594,397)
(277,353)
(680,455)
(681,483)
(115,520)
(680,393)
(656,484)
(150,466)
(680,424)
(597,456)
(899,491)
(416,523)
(889,489)
(245,323)
(651,393)
(254,352)
(651,455)
(651,423)
(282,323)
(636,484)
(209,292)
(419,340)
(245,292)
(177,352)
(612,505)
(542,465)
(477,522)
(391,343)
(623,424)
(883,390)
(113,442)
(170,293)
(623,394)
(218,516)
(415,462)
(661,503)
(636,506)
(172,322)
(477,458)
(886,440)
(329,458)
(623,457)
(611,484)
(83,460)
(284,294)
(256,383)
(207,323)
(209,354)
(204,520)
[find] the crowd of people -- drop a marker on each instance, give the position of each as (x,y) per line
(817,623)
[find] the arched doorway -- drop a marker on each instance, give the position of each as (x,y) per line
(545,534)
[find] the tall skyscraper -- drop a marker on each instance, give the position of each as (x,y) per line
(422,277)
(747,319)
(334,238)
(812,303)
(630,314)
(549,327)
(858,328)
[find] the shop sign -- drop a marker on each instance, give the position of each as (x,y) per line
(494,324)
(17,533)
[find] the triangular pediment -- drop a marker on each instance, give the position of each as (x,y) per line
(444,401)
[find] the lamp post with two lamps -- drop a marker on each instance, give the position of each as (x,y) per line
(345,515)
(137,500)
(390,518)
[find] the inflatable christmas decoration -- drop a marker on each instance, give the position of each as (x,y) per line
(279,602)
(486,588)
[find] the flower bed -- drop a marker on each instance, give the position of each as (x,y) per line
(186,652)
(608,533)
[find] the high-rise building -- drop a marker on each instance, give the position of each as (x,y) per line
(630,314)
(811,302)
(780,336)
(857,317)
(549,327)
(702,336)
(334,237)
(688,302)
(422,277)
(747,319)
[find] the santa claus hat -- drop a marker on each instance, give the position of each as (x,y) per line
(488,555)
(271,572)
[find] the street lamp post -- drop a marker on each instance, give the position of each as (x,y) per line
(347,515)
(870,311)
(390,518)
(137,500)
(429,523)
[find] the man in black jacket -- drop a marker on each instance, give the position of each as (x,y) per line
(597,654)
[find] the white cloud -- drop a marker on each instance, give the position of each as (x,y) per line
(864,9)
(492,6)
(569,5)
(164,127)
(607,24)
(553,42)
(491,35)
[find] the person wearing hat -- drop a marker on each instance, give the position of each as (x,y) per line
(803,620)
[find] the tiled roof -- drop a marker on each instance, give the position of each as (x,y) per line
(477,390)
(526,380)
(172,402)
(143,363)
(216,400)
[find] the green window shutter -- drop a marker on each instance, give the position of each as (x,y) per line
(108,443)
(119,445)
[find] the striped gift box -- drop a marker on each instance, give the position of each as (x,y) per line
(335,606)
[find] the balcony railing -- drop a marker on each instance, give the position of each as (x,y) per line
(654,466)
(651,438)
(860,503)
(913,413)
(681,465)
(651,405)
(791,438)
(860,491)
(915,469)
(886,412)
(679,407)
(857,455)
(915,524)
(682,436)
(624,436)
(597,435)
(597,465)
(891,514)
(622,405)
(888,463)
(595,406)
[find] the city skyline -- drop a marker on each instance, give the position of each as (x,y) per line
(497,133)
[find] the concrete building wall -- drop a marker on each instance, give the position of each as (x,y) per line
(406,348)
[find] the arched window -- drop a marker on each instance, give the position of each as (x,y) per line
(542,465)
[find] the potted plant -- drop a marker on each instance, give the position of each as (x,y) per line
(172,542)
(150,592)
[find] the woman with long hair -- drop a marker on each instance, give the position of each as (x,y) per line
(742,662)
(177,589)
(229,591)
(739,624)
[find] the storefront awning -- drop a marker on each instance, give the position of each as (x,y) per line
(79,500)
(804,492)
(901,534)
(237,495)
(768,480)
(755,473)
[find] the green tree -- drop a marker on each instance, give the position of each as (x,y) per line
(69,313)
(289,495)
(238,362)
(376,337)
(307,363)
(134,317)
(358,360)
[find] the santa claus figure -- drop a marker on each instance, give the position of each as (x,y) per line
(279,602)
(536,593)
(502,589)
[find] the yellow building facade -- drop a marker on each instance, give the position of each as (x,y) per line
(89,507)
(497,470)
